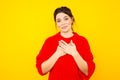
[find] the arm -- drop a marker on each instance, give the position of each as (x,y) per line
(47,57)
(71,50)
(49,63)
(81,63)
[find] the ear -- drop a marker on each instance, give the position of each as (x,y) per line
(72,20)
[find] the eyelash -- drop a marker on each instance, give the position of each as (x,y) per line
(58,20)
(66,19)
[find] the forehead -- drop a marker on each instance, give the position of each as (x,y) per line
(61,15)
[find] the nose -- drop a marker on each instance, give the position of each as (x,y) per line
(63,22)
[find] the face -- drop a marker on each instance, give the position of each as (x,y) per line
(64,22)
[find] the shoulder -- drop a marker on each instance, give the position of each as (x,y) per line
(52,37)
(80,37)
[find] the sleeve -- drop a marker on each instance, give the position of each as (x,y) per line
(88,57)
(43,55)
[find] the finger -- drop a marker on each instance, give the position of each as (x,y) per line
(63,42)
(71,42)
(62,45)
(60,48)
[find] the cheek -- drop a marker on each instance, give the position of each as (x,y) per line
(69,22)
(58,24)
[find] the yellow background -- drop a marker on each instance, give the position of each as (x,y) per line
(25,24)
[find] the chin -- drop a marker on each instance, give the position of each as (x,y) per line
(65,31)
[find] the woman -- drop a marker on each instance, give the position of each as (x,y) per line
(66,55)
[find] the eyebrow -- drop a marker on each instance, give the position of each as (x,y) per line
(63,17)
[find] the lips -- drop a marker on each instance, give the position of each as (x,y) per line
(63,27)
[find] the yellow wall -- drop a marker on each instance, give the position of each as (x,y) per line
(25,24)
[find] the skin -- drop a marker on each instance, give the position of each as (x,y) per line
(64,23)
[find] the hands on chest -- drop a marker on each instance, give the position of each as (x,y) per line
(66,48)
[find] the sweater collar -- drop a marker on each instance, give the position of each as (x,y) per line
(67,39)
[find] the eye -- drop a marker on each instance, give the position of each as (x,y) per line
(66,18)
(58,20)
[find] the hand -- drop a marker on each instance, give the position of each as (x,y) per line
(60,52)
(68,48)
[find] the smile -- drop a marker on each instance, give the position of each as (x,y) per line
(63,27)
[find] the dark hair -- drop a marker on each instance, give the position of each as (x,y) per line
(64,10)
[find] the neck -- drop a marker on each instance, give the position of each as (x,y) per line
(67,34)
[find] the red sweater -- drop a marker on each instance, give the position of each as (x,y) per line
(65,68)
